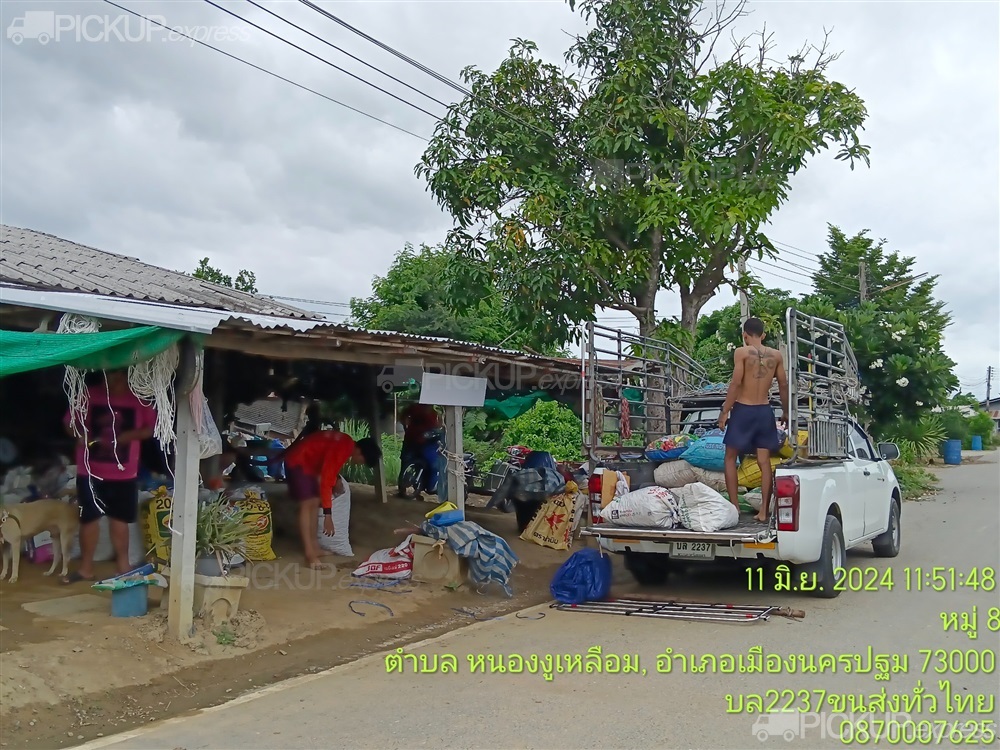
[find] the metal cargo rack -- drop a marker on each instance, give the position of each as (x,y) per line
(674,610)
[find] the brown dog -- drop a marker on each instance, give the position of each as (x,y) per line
(23,521)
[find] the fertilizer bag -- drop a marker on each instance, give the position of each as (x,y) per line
(704,509)
(552,526)
(649,507)
(257,515)
(709,454)
(340,542)
(584,577)
(395,562)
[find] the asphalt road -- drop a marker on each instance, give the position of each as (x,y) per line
(361,706)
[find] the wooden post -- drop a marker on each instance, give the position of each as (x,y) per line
(184,510)
(456,468)
(381,492)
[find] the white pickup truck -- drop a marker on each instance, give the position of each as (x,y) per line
(837,492)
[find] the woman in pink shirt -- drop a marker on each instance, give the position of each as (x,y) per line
(107,464)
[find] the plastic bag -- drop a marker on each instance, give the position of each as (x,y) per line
(584,577)
(649,507)
(340,542)
(669,448)
(709,453)
(674,474)
(394,562)
(209,439)
(704,509)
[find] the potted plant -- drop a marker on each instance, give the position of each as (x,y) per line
(220,539)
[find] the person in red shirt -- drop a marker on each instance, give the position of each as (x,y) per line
(313,465)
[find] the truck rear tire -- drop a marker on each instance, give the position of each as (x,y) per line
(832,557)
(646,568)
(887,545)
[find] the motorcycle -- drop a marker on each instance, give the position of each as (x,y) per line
(420,472)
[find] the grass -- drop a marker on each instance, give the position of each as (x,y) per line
(915,482)
(392,447)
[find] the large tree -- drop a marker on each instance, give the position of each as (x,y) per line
(410,298)
(246,281)
(648,164)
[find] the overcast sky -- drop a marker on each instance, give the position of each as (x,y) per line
(170,152)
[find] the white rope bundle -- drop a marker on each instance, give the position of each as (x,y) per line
(74,383)
(152,382)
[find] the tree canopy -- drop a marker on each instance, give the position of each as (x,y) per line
(411,298)
(246,281)
(648,164)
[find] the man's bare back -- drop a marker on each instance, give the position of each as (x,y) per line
(760,365)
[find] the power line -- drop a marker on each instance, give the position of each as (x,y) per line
(808,276)
(353,57)
(424,69)
(265,70)
(310,301)
(797,251)
(779,276)
(325,61)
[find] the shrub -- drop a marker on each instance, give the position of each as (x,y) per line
(915,482)
(919,440)
(391,449)
(547,426)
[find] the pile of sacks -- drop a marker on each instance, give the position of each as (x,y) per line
(695,506)
(704,461)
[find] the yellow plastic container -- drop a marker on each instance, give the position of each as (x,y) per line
(441,509)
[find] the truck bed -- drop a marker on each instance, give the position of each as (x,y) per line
(747,531)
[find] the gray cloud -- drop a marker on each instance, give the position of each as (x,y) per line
(170,152)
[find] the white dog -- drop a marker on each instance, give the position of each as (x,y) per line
(25,520)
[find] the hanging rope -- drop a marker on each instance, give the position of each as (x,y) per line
(152,382)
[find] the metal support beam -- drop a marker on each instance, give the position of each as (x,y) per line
(456,468)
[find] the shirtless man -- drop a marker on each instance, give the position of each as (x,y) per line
(747,410)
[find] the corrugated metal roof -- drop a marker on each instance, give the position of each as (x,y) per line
(205,321)
(269,411)
(43,261)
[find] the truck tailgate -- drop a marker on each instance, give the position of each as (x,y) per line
(746,532)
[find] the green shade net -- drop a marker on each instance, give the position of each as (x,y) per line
(113,350)
(515,406)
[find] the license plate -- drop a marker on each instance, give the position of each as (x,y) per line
(693,551)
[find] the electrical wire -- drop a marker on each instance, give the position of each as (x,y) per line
(268,72)
(311,301)
(424,69)
(777,275)
(325,61)
(805,275)
(353,57)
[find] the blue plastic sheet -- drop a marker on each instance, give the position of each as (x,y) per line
(584,577)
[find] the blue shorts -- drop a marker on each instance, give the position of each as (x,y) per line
(752,428)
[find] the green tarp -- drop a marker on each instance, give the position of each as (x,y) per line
(113,350)
(515,406)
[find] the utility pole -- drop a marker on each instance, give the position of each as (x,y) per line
(863,281)
(989,383)
(744,299)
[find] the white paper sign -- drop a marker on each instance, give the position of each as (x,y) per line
(452,390)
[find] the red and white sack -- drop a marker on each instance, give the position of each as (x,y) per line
(395,562)
(649,507)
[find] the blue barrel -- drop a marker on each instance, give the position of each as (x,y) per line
(953,452)
(977,442)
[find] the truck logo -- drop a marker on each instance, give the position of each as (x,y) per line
(401,374)
(784,724)
(34,24)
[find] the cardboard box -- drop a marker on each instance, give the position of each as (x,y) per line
(437,563)
(608,481)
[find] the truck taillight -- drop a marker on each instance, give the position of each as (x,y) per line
(594,485)
(786,490)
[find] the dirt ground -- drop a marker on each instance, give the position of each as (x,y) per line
(69,672)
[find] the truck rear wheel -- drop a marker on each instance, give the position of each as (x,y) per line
(887,545)
(647,568)
(831,560)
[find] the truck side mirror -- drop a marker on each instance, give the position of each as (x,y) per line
(888,451)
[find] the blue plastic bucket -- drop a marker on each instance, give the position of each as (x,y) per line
(977,442)
(132,601)
(953,452)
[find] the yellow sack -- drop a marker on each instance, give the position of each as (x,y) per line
(552,526)
(156,525)
(257,515)
(749,473)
